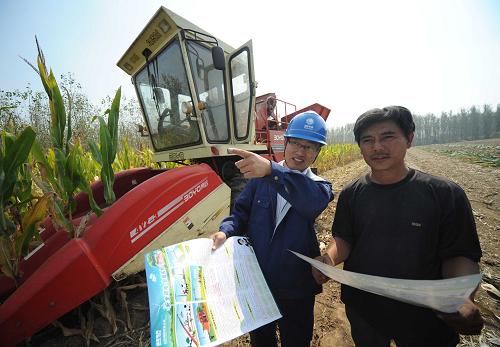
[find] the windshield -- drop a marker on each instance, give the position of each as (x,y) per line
(162,91)
(209,84)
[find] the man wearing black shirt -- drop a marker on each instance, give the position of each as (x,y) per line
(401,223)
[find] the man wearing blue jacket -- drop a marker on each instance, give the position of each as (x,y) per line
(277,210)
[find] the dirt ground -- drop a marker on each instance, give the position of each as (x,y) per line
(482,186)
(331,327)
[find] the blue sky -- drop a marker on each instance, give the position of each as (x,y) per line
(429,56)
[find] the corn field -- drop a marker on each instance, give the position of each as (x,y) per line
(336,155)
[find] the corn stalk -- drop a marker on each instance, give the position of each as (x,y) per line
(13,154)
(63,175)
(19,217)
(105,154)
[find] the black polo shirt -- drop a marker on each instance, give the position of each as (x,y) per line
(403,230)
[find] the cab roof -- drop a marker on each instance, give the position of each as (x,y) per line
(164,25)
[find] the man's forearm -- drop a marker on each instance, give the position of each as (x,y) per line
(459,266)
(338,251)
(467,320)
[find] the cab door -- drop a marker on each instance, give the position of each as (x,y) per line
(241,93)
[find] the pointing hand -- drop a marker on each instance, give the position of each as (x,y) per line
(251,165)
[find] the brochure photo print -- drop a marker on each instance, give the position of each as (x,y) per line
(201,297)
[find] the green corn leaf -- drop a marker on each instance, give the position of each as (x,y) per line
(108,143)
(38,211)
(29,223)
(19,151)
(42,183)
(107,175)
(7,187)
(69,130)
(73,165)
(23,241)
(113,121)
(16,154)
(96,154)
(59,107)
(63,181)
(105,142)
(58,113)
(24,183)
(2,172)
(43,75)
(74,172)
(38,154)
(3,221)
(8,226)
(8,140)
(109,194)
(2,177)
(46,171)
(6,265)
(85,187)
(59,217)
(126,153)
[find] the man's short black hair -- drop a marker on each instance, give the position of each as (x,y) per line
(398,114)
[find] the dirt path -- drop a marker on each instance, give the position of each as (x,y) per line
(482,187)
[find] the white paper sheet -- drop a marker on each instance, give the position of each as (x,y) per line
(442,295)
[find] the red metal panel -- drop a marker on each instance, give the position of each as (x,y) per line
(29,266)
(323,111)
(124,181)
(277,143)
(63,282)
(82,267)
(142,214)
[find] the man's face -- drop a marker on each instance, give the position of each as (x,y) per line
(300,154)
(383,146)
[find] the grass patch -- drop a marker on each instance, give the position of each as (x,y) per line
(483,154)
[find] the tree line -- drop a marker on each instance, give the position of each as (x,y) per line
(21,108)
(29,107)
(474,123)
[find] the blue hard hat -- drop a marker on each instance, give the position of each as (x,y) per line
(307,126)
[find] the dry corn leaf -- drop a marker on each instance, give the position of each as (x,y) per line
(491,290)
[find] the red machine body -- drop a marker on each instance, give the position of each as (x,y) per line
(272,116)
(69,272)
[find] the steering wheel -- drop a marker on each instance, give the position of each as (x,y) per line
(162,129)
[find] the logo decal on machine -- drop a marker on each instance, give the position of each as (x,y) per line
(166,210)
(188,222)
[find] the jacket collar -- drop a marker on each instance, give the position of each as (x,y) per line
(308,172)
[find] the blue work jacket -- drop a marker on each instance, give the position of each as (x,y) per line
(254,215)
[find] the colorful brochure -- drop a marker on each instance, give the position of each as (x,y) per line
(201,297)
